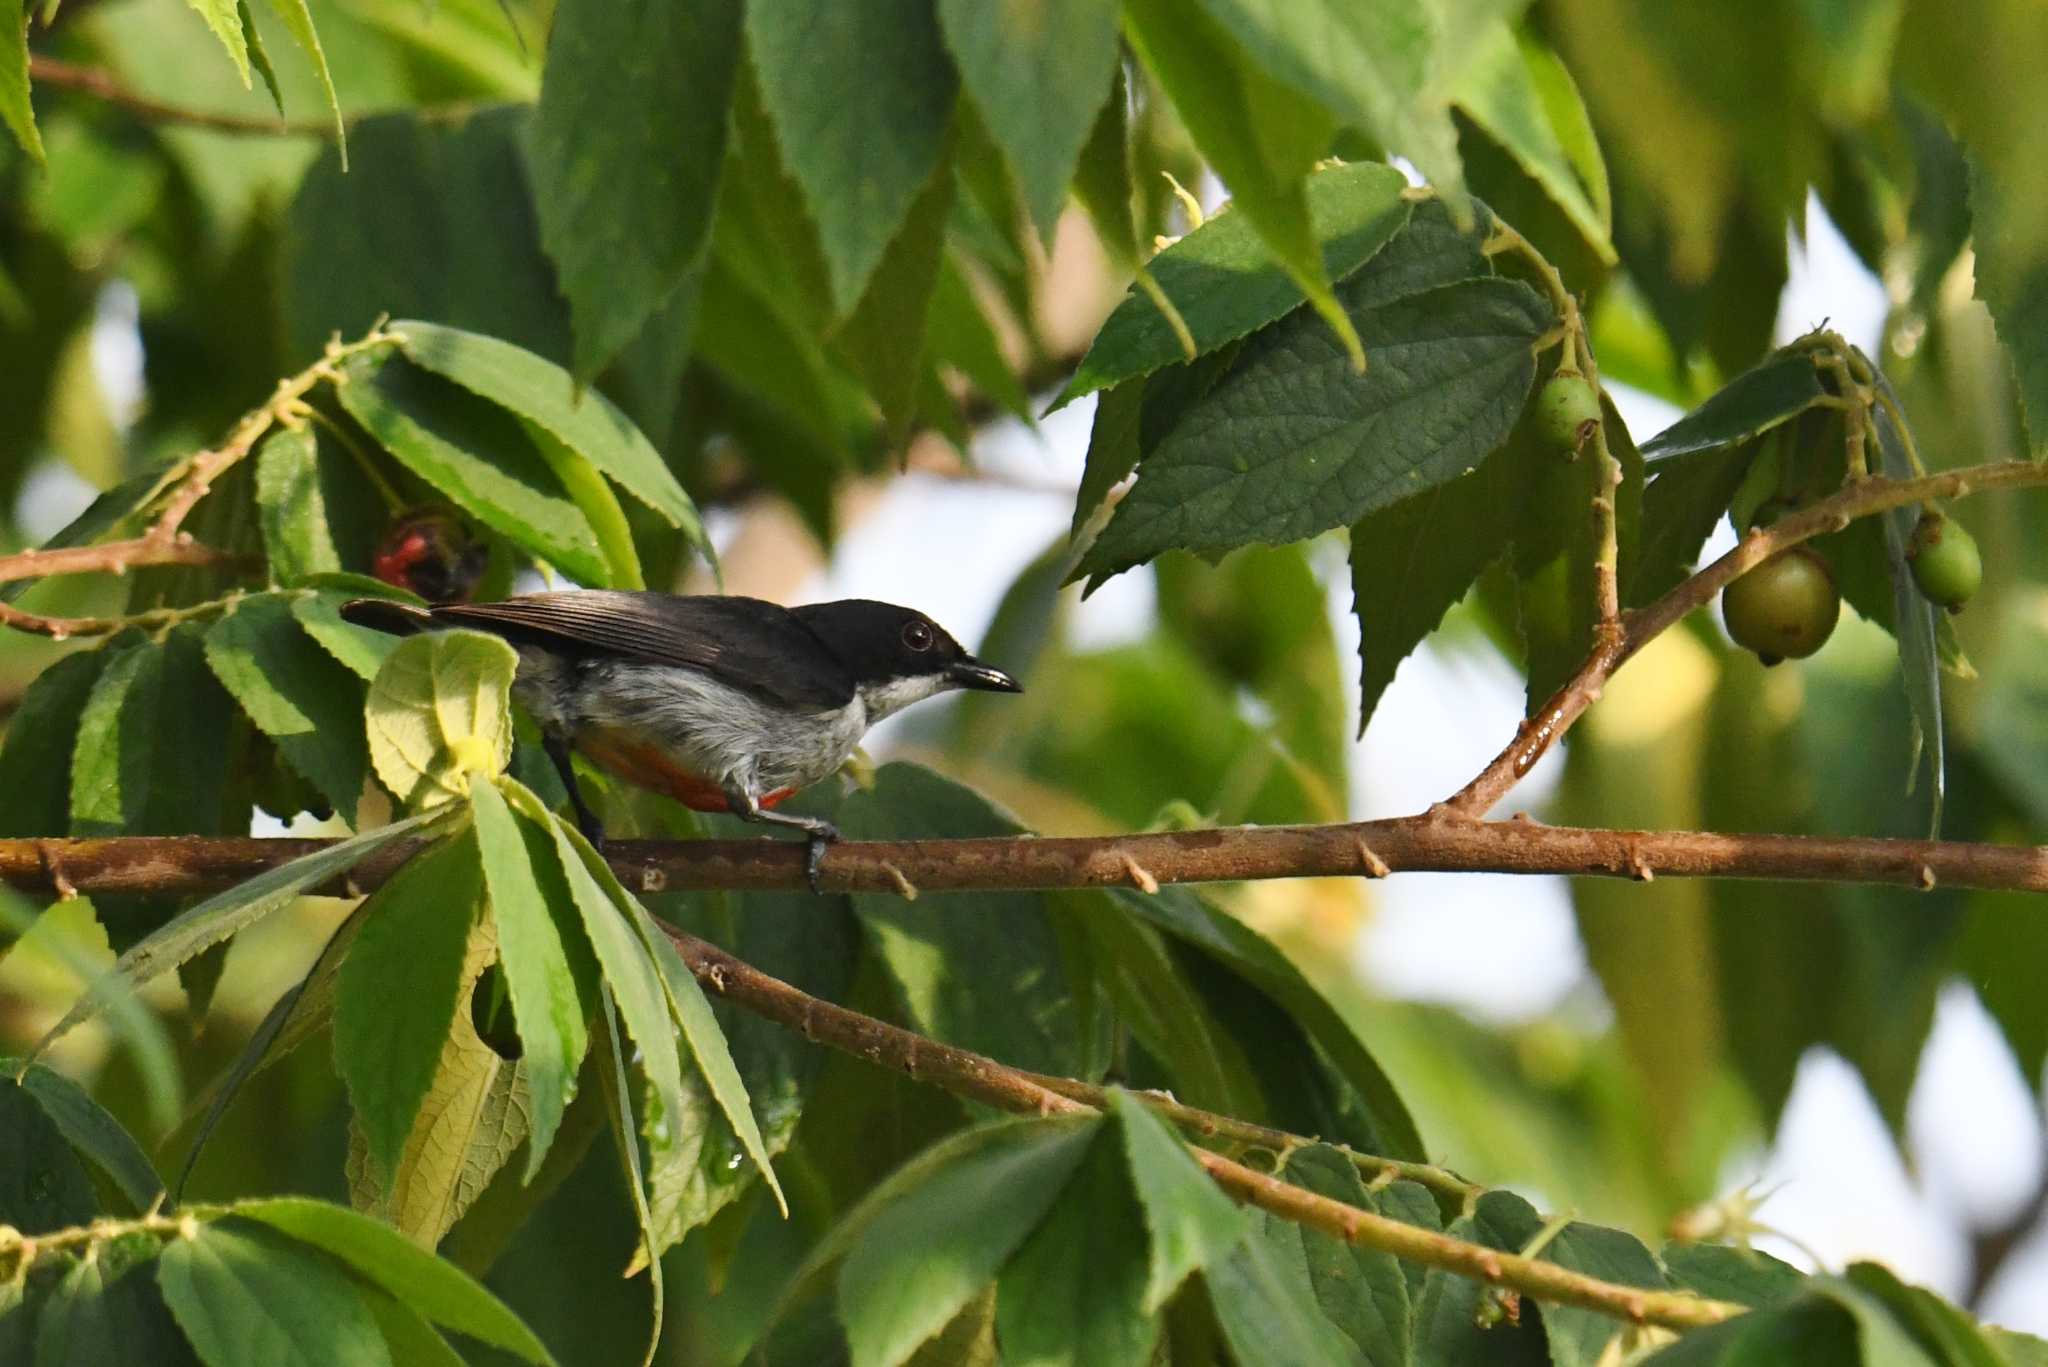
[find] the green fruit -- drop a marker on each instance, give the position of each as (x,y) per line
(1785,608)
(1567,410)
(1944,560)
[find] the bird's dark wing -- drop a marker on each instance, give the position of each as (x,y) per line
(744,642)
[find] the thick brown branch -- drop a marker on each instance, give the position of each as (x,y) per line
(1640,627)
(984,1079)
(104,85)
(180,865)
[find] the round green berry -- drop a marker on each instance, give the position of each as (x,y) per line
(1567,410)
(1785,608)
(1945,561)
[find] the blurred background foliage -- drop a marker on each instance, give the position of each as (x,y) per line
(788,346)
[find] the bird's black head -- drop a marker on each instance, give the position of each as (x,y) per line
(897,655)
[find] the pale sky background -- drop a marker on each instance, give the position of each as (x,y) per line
(1501,948)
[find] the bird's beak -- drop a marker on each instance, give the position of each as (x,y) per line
(972,673)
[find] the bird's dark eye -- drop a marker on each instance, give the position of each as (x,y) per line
(917,635)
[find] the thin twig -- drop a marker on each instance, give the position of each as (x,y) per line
(983,1079)
(104,85)
(1860,498)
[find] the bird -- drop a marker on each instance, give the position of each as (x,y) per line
(724,703)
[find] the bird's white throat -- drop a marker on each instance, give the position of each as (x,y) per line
(893,695)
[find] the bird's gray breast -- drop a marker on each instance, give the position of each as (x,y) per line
(714,729)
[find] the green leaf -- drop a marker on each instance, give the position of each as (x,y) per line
(439,715)
(1038,73)
(93,1132)
(399,986)
(298,20)
(1073,1294)
(536,961)
(1685,498)
(220,16)
(1289,443)
(43,1187)
(35,759)
(959,335)
(1810,1331)
(546,395)
(1783,386)
(360,649)
(1354,1300)
(477,454)
(15,108)
(1743,1275)
(615,1086)
(224,914)
(412,1340)
(1499,87)
(981,970)
(1916,623)
(693,1016)
(883,341)
(1370,63)
(243,1294)
(623,238)
(861,96)
(1113,449)
(259,56)
(379,1255)
(925,1251)
(108,1308)
(375,240)
(153,745)
(295,693)
(1191,1223)
(2012,280)
(1102,178)
(296,536)
(1260,137)
(1267,1308)
(1412,562)
(1946,1334)
(1223,281)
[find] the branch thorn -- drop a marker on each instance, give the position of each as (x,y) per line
(1141,877)
(1375,867)
(905,889)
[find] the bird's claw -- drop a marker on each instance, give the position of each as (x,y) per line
(819,836)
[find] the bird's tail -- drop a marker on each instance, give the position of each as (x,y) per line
(382,614)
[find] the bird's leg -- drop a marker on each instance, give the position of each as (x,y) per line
(818,832)
(586,820)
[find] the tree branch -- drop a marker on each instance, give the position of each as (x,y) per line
(1436,842)
(1860,498)
(983,1079)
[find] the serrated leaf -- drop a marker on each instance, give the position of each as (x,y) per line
(883,340)
(439,715)
(259,56)
(1038,73)
(108,1308)
(398,990)
(43,1187)
(92,1131)
(532,949)
(1810,1331)
(1743,1275)
(1290,443)
(1260,136)
(425,1283)
(473,1120)
(360,649)
(862,134)
(222,915)
(1684,499)
(1783,386)
(1102,177)
(1224,284)
(294,692)
(1113,449)
(153,744)
(35,759)
(624,239)
(925,1252)
(15,109)
(244,1294)
(298,21)
(220,16)
(476,453)
(2012,280)
(1268,1310)
(1915,623)
(1073,1294)
(546,395)
(296,537)
(1190,1222)
(1499,89)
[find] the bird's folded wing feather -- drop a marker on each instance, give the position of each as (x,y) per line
(746,642)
